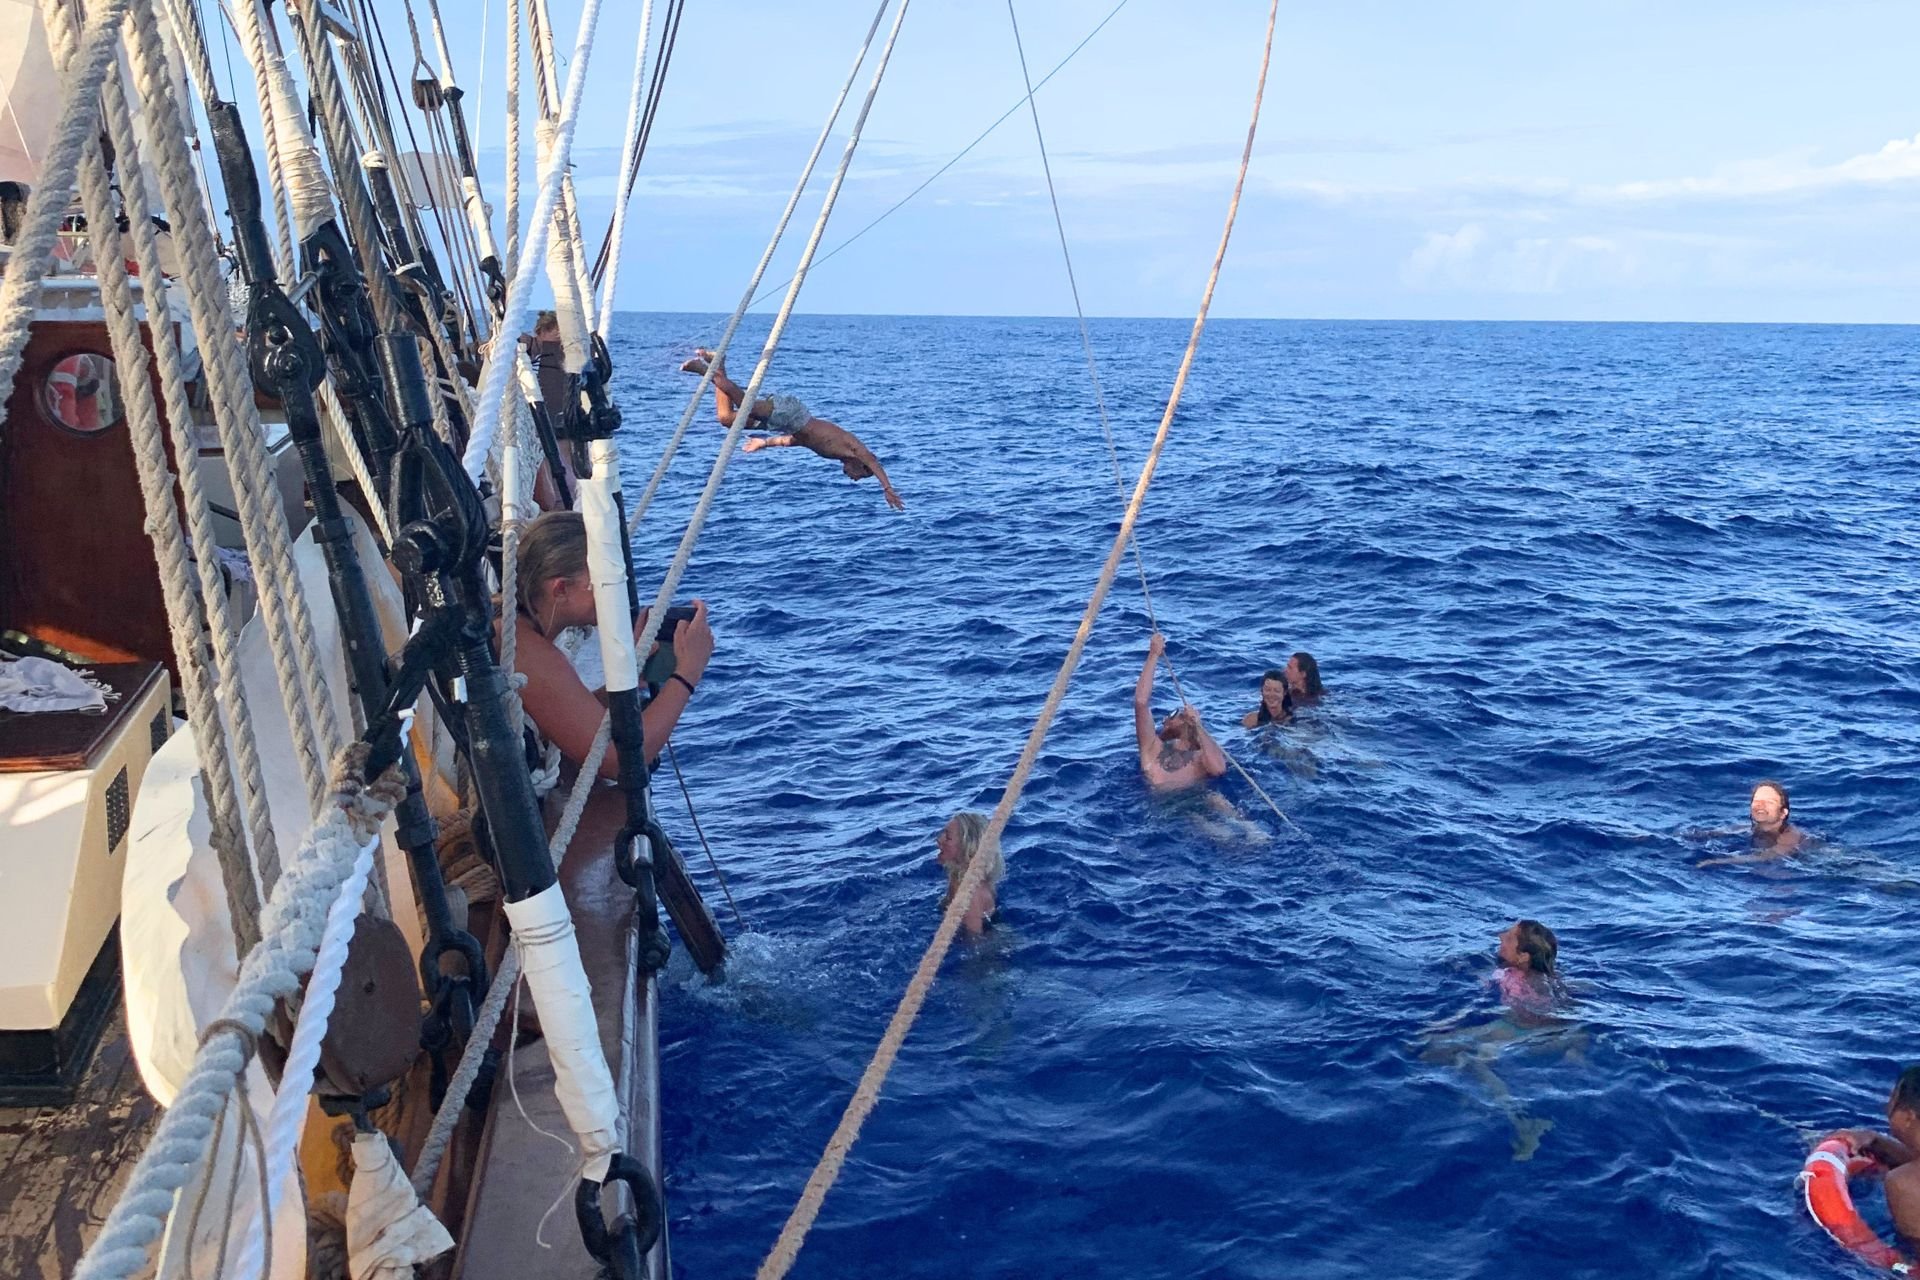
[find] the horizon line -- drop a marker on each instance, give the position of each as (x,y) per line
(1035,315)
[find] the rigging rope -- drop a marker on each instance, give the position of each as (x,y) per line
(670,34)
(283,605)
(53,192)
(964,151)
(225,632)
(511,263)
(1100,397)
(513,321)
(186,620)
(786,1248)
(673,758)
(759,271)
(630,161)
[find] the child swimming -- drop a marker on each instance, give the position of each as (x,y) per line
(1530,992)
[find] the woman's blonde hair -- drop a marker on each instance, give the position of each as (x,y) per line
(969,827)
(553,546)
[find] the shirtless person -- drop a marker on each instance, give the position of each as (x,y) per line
(1896,1155)
(1180,754)
(1773,832)
(794,425)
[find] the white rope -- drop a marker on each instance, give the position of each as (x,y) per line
(569,202)
(629,161)
(270,107)
(185,618)
(511,263)
(1100,397)
(47,205)
(289,1112)
(293,924)
(759,271)
(866,1095)
(283,606)
(225,631)
(500,357)
(336,416)
(294,158)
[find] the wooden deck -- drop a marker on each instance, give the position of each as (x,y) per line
(62,1168)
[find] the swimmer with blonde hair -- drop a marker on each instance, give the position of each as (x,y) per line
(959,843)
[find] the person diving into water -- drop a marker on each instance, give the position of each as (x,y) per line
(792,425)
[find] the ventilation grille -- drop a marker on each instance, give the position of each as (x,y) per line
(119,810)
(162,728)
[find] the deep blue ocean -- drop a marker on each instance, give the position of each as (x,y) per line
(1573,589)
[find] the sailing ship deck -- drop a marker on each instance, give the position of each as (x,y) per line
(62,1168)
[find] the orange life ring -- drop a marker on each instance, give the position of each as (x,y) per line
(1823,1180)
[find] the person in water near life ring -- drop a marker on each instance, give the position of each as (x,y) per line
(957,845)
(1893,1152)
(1772,832)
(793,426)
(556,593)
(1276,702)
(1526,976)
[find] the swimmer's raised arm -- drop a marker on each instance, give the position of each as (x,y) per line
(1143,706)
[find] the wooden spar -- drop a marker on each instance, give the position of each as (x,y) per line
(705,944)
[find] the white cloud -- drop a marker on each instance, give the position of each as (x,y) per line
(1477,258)
(1898,161)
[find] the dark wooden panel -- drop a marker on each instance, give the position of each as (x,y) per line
(79,567)
(33,742)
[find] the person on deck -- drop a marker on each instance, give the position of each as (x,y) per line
(793,426)
(958,844)
(1772,832)
(1276,702)
(1303,679)
(1180,754)
(556,593)
(1895,1151)
(549,358)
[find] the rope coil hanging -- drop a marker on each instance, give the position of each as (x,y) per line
(786,1248)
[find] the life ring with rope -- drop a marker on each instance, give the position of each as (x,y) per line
(1823,1180)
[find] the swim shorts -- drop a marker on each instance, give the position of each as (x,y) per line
(788,415)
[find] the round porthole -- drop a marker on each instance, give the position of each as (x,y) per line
(81,394)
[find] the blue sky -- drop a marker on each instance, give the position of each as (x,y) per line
(1576,160)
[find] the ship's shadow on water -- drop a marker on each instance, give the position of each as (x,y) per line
(1574,589)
